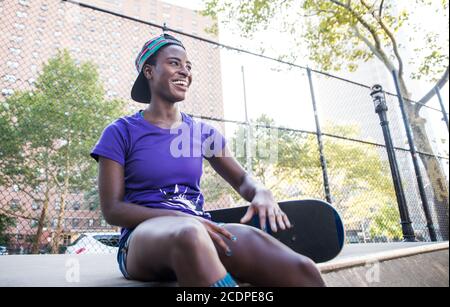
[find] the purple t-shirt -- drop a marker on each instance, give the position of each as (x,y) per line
(162,167)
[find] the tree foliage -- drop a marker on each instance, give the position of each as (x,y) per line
(47,134)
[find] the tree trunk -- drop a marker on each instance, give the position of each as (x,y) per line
(432,166)
(56,238)
(434,172)
(41,224)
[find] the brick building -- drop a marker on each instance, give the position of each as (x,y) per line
(34,30)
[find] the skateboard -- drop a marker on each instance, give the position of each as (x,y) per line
(317,232)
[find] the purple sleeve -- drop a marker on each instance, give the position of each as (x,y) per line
(111,144)
(213,142)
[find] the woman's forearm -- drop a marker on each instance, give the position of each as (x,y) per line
(129,215)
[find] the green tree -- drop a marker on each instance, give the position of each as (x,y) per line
(386,223)
(48,133)
(359,180)
(6,222)
(344,33)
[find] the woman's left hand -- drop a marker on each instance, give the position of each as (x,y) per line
(265,206)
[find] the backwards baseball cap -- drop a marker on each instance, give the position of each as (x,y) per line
(141,91)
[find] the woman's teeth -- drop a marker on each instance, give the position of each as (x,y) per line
(180,82)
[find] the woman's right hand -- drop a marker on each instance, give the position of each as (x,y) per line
(214,230)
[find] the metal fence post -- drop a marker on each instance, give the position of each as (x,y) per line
(323,162)
(444,114)
(248,130)
(412,148)
(381,108)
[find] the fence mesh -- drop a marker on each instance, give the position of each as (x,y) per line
(41,212)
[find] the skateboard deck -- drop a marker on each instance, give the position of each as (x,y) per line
(317,231)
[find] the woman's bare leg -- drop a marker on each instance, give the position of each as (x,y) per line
(261,260)
(165,247)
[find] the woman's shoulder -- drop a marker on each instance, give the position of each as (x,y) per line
(124,122)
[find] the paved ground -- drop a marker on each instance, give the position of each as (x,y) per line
(400,259)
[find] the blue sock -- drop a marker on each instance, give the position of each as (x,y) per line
(227,281)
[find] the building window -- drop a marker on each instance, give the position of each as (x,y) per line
(35,54)
(111,94)
(14,204)
(57,206)
(10,78)
(92,206)
(44,7)
(7,92)
(35,205)
(12,64)
(76,205)
(21,14)
(103,222)
(33,223)
(31,81)
(24,2)
(19,26)
(15,51)
(16,38)
(57,33)
(91,222)
(66,239)
(75,223)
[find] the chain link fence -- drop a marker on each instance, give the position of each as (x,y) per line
(48,195)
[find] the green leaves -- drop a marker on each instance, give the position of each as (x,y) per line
(339,33)
(46,134)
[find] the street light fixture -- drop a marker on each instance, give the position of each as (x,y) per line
(379,100)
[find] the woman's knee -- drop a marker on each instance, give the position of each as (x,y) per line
(191,234)
(310,272)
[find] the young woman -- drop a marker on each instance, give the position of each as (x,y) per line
(151,188)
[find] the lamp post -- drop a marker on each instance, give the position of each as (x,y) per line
(379,101)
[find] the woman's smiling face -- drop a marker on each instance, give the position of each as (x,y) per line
(170,76)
